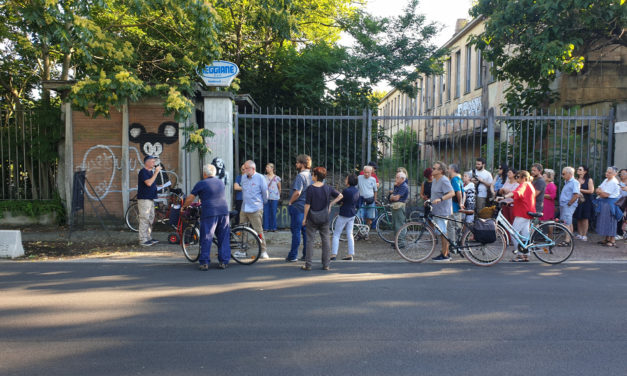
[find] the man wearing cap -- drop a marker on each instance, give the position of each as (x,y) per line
(146,194)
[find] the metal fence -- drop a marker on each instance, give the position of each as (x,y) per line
(335,140)
(28,153)
(344,142)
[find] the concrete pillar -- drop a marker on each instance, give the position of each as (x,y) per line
(124,163)
(620,136)
(69,159)
(218,117)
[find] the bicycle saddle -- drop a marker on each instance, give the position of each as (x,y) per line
(535,215)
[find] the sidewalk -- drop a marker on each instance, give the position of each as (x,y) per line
(122,243)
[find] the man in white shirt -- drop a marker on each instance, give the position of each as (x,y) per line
(482,179)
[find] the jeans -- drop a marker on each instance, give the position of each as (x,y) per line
(340,224)
(297,228)
(217,226)
(269,215)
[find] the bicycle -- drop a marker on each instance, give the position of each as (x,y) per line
(551,242)
(245,242)
(164,203)
(415,241)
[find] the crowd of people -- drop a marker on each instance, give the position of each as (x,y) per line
(453,194)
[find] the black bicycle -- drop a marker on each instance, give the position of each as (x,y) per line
(245,242)
(415,241)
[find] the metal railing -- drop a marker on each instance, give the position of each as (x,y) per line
(28,154)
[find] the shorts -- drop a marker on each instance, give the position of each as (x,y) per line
(441,225)
(367,211)
(566,213)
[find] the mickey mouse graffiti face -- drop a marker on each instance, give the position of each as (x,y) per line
(152,143)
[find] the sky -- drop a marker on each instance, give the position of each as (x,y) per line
(445,12)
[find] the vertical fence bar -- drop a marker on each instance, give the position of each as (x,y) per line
(610,139)
(490,138)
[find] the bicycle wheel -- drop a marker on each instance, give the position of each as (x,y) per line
(245,245)
(415,241)
(484,254)
(190,241)
(384,227)
(132,217)
(343,233)
(561,239)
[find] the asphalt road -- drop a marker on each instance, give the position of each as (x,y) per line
(115,318)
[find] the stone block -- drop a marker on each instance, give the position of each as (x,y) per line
(11,244)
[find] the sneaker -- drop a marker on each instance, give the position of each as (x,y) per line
(222,266)
(584,238)
(203,267)
(441,257)
(147,243)
(240,254)
(154,241)
(348,258)
(618,237)
(264,255)
(305,268)
(302,258)
(287,259)
(577,236)
(333,258)
(326,268)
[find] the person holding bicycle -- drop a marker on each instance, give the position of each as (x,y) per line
(441,204)
(524,202)
(367,195)
(214,219)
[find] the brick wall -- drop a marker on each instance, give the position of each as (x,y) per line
(98,151)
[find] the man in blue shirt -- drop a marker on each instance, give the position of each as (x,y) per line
(146,194)
(453,227)
(238,194)
(296,206)
(214,218)
(254,195)
(398,199)
(569,196)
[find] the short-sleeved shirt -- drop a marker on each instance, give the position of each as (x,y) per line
(238,194)
(367,186)
(458,186)
(401,190)
(524,200)
(273,187)
(482,190)
(611,187)
(540,185)
(212,196)
(319,198)
(570,188)
(350,199)
(302,181)
(438,189)
(254,192)
(469,189)
(145,192)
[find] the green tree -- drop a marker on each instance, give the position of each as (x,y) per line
(113,50)
(530,41)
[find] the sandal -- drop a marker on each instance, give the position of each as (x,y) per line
(519,259)
(563,244)
(610,244)
(602,242)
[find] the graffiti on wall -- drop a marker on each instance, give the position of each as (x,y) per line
(469,108)
(102,164)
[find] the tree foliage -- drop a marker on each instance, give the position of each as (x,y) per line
(113,50)
(530,41)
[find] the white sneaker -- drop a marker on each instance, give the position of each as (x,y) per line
(264,255)
(618,237)
(577,236)
(239,254)
(584,238)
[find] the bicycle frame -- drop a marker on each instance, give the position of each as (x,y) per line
(523,241)
(435,226)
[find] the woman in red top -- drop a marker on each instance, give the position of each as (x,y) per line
(524,201)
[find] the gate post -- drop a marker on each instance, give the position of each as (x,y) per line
(218,118)
(369,144)
(618,126)
(490,145)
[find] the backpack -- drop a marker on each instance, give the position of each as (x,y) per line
(484,230)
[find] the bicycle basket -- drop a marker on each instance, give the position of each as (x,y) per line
(484,230)
(192,212)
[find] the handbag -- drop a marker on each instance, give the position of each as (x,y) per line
(319,217)
(622,203)
(368,200)
(484,230)
(581,199)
